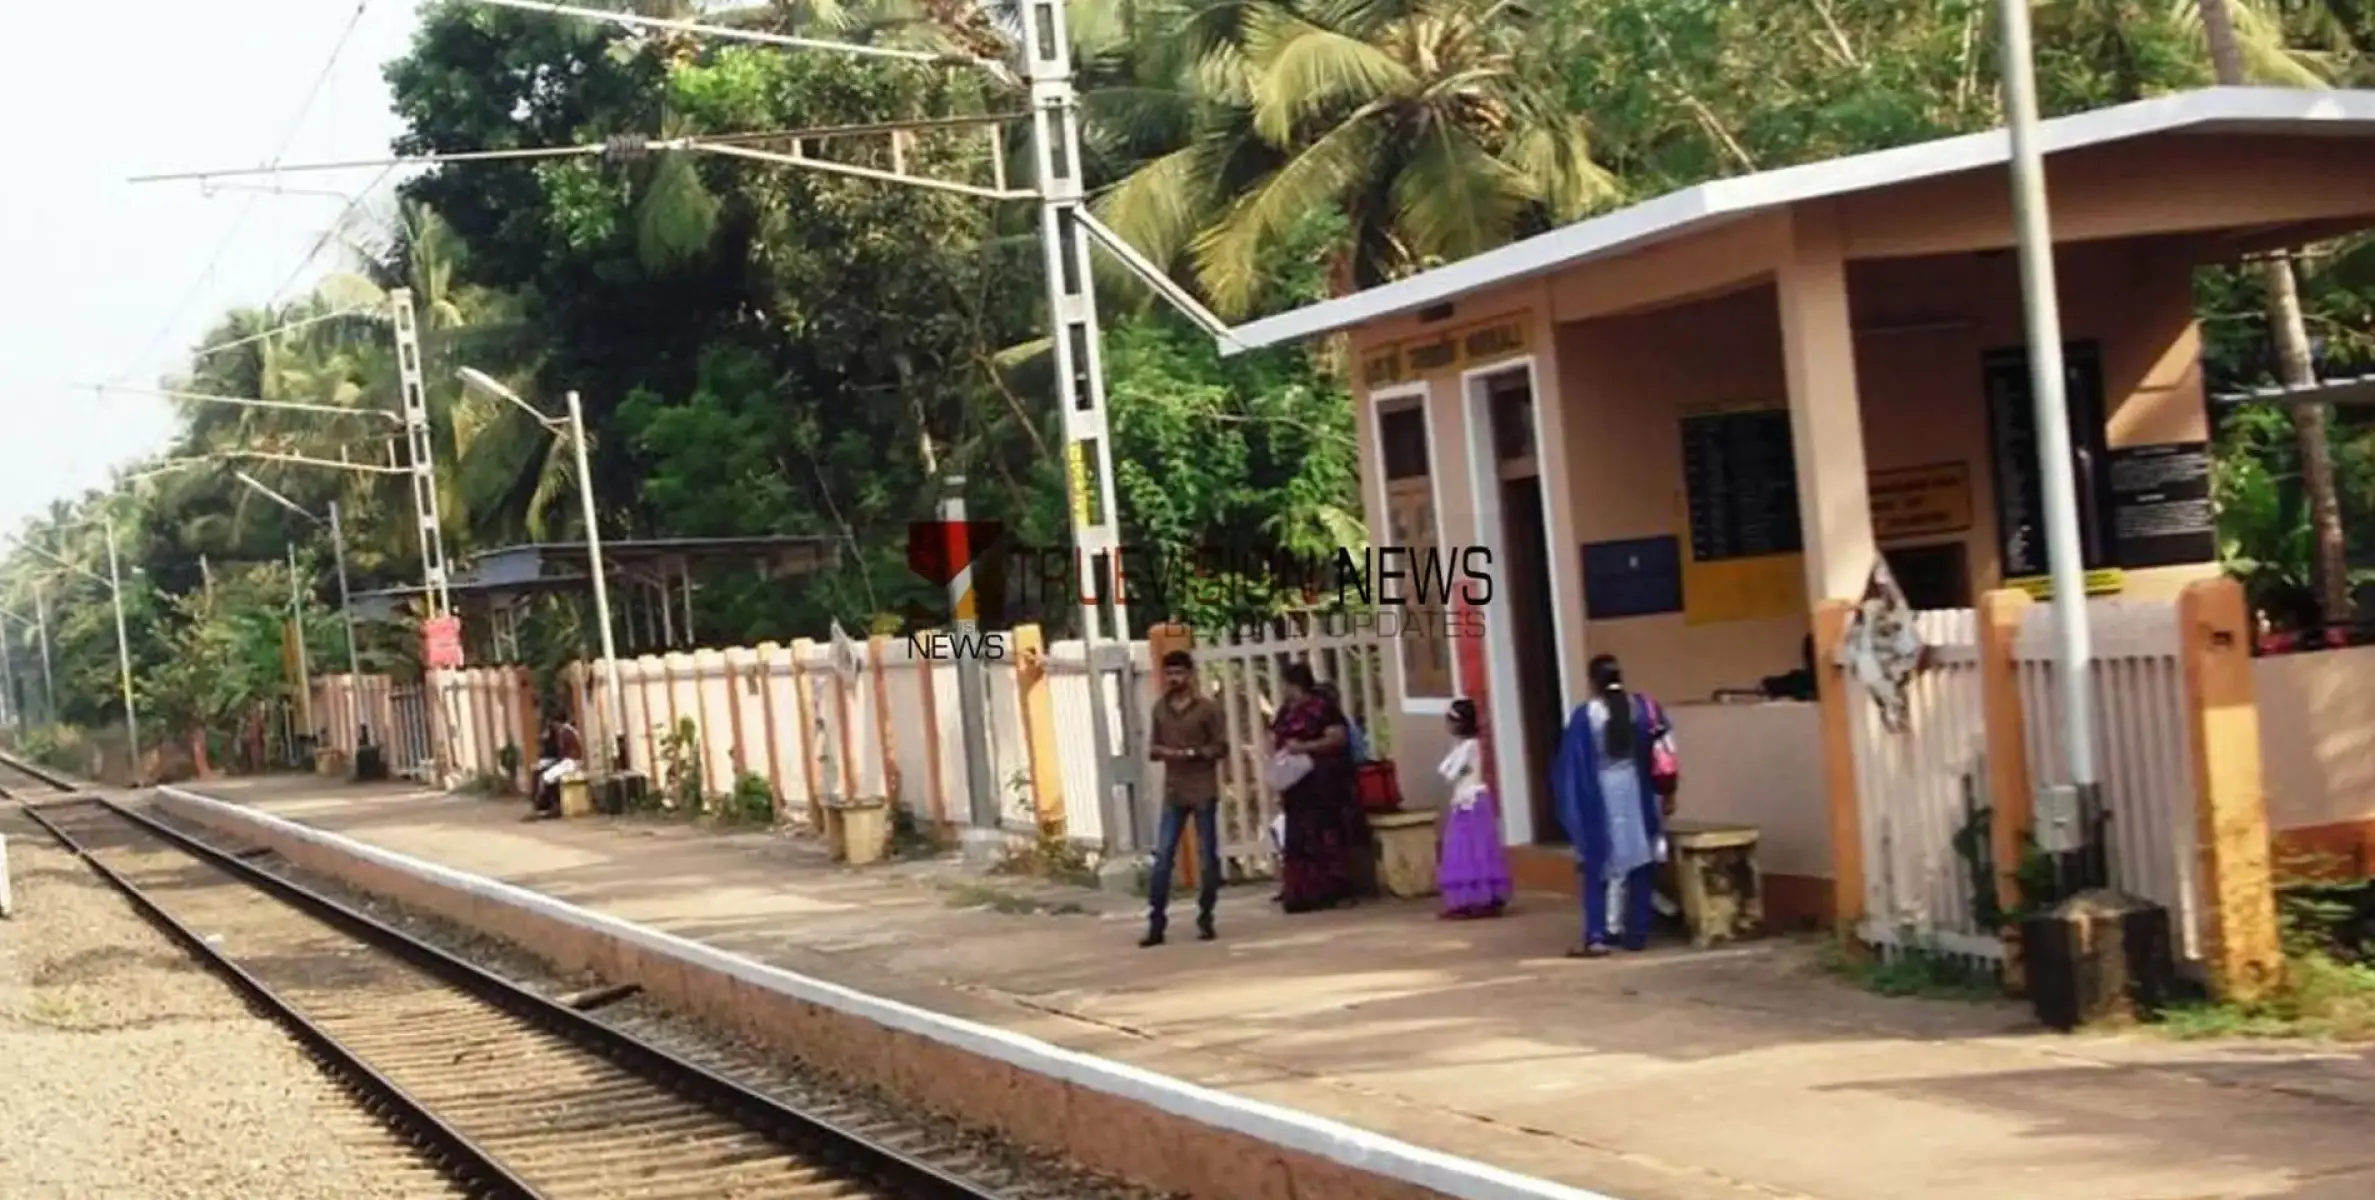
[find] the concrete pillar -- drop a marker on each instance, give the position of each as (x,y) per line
(2244,954)
(1826,426)
(2001,613)
(1839,778)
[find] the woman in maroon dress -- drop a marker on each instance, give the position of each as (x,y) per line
(1320,808)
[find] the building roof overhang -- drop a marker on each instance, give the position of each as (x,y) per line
(1716,203)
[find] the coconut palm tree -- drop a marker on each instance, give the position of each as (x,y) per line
(1427,124)
(2236,59)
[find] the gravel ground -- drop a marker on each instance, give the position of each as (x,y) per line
(855,1104)
(127,1071)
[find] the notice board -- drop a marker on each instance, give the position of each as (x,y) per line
(2161,513)
(1740,485)
(2020,490)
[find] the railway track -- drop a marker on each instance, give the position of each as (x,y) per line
(509,1093)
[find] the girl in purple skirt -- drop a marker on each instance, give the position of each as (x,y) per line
(1473,874)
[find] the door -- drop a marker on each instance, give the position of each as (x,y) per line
(1528,597)
(1533,715)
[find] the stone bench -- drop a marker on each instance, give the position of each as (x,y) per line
(1715,869)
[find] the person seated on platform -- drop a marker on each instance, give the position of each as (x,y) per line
(557,756)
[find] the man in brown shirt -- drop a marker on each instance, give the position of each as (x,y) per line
(1189,737)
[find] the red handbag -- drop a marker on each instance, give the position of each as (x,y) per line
(1379,789)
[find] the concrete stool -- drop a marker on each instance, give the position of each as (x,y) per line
(858,831)
(1722,892)
(1405,853)
(577,796)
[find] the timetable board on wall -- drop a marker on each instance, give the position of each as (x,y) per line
(2020,490)
(1740,486)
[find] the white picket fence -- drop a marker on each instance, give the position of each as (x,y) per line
(1919,788)
(881,720)
(2143,749)
(1242,670)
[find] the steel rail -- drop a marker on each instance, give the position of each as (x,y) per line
(801,1132)
(469,1165)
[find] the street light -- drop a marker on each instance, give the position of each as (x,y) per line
(123,642)
(614,711)
(2064,813)
(346,609)
(304,700)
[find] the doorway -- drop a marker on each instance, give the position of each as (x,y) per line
(1522,646)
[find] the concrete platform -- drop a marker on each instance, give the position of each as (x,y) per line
(1676,1075)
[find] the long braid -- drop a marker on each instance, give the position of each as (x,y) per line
(1618,741)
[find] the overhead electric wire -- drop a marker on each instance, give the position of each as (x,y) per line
(313,94)
(323,242)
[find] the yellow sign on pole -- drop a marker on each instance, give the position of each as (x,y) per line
(1076,464)
(2103,581)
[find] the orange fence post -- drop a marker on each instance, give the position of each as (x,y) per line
(2231,804)
(766,669)
(1838,748)
(2001,614)
(804,705)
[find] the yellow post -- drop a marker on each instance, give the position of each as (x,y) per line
(2231,808)
(1838,751)
(1039,728)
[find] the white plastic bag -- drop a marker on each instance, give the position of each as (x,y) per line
(1287,769)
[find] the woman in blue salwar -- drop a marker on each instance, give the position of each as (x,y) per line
(1614,780)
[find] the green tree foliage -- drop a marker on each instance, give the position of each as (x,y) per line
(767,350)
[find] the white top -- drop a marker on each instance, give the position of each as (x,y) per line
(1459,769)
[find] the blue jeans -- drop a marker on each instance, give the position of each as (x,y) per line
(1158,884)
(1639,885)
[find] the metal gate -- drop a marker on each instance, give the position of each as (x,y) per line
(407,744)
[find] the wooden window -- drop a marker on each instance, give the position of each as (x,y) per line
(1413,524)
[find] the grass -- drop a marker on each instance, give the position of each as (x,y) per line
(1912,973)
(2320,997)
(974,895)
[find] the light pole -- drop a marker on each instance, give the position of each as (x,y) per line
(2064,814)
(614,697)
(123,641)
(1067,230)
(346,611)
(15,710)
(49,685)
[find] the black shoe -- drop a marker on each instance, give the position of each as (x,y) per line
(1204,930)
(1154,937)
